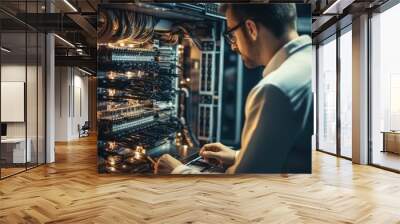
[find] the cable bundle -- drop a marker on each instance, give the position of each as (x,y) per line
(125,26)
(135,93)
(159,83)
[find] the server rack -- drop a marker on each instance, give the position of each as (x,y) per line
(159,82)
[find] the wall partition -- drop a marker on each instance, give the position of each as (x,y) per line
(22,88)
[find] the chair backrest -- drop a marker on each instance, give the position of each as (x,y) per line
(86,125)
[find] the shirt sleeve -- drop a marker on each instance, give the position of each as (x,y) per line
(269,132)
(183,169)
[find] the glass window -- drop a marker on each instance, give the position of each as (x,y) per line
(346,93)
(385,89)
(314,89)
(327,96)
(22,91)
(15,149)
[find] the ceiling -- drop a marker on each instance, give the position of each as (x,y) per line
(75,21)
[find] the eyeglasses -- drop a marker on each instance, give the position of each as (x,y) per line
(230,38)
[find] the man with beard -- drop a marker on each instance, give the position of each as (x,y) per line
(276,137)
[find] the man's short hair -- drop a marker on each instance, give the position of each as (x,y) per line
(277,18)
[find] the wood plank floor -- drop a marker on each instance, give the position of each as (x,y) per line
(10,171)
(71,191)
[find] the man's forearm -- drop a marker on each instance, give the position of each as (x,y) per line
(237,152)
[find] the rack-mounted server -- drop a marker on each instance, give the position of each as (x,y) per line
(159,82)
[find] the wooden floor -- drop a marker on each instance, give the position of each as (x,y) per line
(5,172)
(10,171)
(71,191)
(387,159)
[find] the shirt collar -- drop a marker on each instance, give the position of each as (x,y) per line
(283,53)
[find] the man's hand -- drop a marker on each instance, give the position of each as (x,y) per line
(166,164)
(218,153)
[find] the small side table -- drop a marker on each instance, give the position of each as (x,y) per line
(391,141)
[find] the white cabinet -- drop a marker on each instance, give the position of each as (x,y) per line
(17,147)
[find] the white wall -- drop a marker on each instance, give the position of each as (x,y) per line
(71,102)
(16,73)
(12,73)
(34,125)
(61,104)
(80,111)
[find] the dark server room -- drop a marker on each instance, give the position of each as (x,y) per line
(168,83)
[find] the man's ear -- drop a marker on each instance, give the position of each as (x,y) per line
(252,29)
